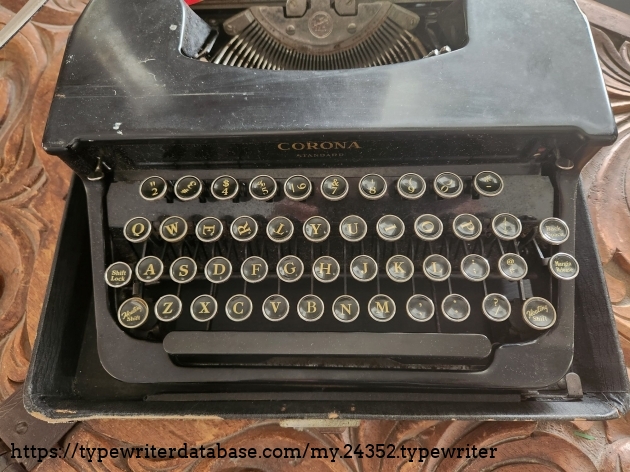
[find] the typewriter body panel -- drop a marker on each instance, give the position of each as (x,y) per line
(411,223)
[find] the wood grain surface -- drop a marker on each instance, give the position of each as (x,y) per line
(33,188)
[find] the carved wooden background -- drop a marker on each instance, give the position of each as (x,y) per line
(33,186)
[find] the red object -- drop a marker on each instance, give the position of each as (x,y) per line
(192,2)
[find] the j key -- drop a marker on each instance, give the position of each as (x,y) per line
(218,270)
(275,308)
(399,268)
(254,269)
(153,188)
(346,308)
(428,227)
(326,269)
(239,307)
(224,187)
(316,229)
(390,228)
(506,226)
(280,229)
(372,186)
(334,187)
(183,270)
(173,229)
(475,268)
(188,188)
(118,274)
(467,227)
(363,268)
(244,228)
(448,185)
(149,269)
(168,308)
(539,313)
(437,268)
(381,308)
(263,187)
(353,228)
(290,269)
(137,229)
(310,308)
(209,229)
(512,266)
(420,308)
(455,307)
(133,312)
(563,266)
(203,308)
(411,186)
(554,231)
(487,183)
(297,188)
(496,307)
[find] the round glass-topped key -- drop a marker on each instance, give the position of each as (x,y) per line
(297,187)
(563,266)
(183,270)
(263,187)
(363,268)
(188,188)
(399,268)
(411,186)
(168,308)
(254,269)
(239,307)
(173,229)
(390,228)
(512,266)
(428,227)
(218,270)
(467,227)
(137,229)
(316,229)
(153,188)
(487,183)
(244,228)
(381,308)
(506,226)
(554,231)
(496,307)
(280,229)
(475,268)
(372,186)
(310,308)
(334,187)
(224,187)
(420,308)
(203,308)
(346,308)
(275,308)
(290,269)
(118,274)
(539,313)
(353,228)
(437,268)
(326,269)
(455,307)
(149,269)
(448,185)
(133,312)
(209,229)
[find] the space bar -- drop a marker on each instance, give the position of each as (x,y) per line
(234,345)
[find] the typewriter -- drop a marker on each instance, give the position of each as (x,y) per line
(340,193)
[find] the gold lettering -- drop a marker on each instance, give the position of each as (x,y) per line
(216,269)
(137,229)
(275,306)
(384,308)
(326,145)
(346,308)
(204,307)
(349,228)
(167,308)
(326,269)
(256,268)
(340,145)
(172,228)
(298,146)
(243,229)
(208,229)
(235,310)
(183,270)
(150,270)
(288,270)
(311,306)
(280,146)
(315,227)
(311,145)
(278,230)
(354,145)
(398,267)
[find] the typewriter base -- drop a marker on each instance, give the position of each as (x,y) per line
(66,381)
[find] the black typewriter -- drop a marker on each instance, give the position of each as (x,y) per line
(351,193)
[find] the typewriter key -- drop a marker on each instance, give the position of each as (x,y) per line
(512,266)
(326,269)
(290,269)
(118,274)
(554,231)
(346,308)
(496,307)
(218,270)
(310,308)
(263,187)
(297,187)
(420,308)
(133,312)
(224,187)
(411,186)
(244,228)
(563,266)
(188,188)
(448,185)
(334,187)
(149,269)
(173,229)
(183,270)
(254,269)
(168,308)
(275,308)
(455,307)
(467,227)
(137,229)
(381,308)
(363,268)
(280,229)
(238,308)
(153,188)
(428,227)
(316,229)
(372,186)
(209,229)
(203,308)
(437,268)
(475,267)
(390,228)
(489,184)
(399,268)
(353,228)
(506,226)
(539,313)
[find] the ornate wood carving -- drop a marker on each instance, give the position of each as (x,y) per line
(33,186)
